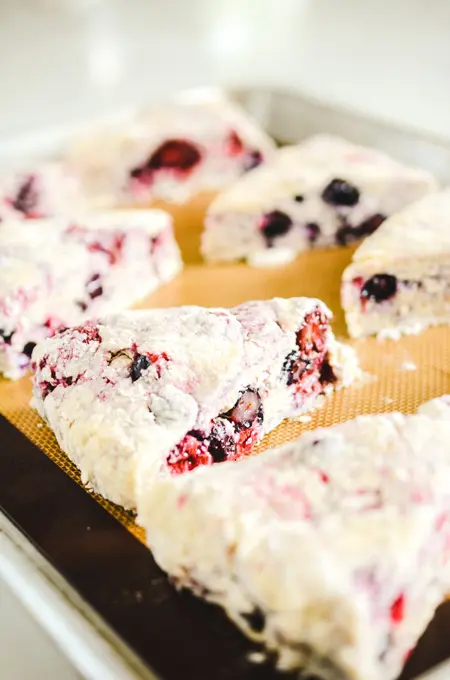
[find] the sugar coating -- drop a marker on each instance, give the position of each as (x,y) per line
(293,183)
(58,272)
(39,190)
(414,247)
(108,409)
(333,550)
(227,141)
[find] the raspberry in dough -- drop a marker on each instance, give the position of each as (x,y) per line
(183,387)
(333,551)
(39,190)
(169,153)
(323,192)
(399,279)
(57,272)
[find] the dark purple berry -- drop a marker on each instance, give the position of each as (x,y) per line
(327,375)
(140,363)
(370,225)
(299,198)
(175,153)
(275,224)
(313,231)
(96,293)
(198,435)
(93,287)
(255,619)
(6,337)
(347,234)
(252,159)
(28,349)
(339,192)
(294,367)
(26,198)
(82,305)
(380,288)
(46,388)
(137,173)
(222,444)
(247,409)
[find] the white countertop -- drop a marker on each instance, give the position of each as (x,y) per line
(390,59)
(58,66)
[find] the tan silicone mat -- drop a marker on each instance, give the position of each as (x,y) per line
(398,375)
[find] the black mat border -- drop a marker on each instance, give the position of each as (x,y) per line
(175,635)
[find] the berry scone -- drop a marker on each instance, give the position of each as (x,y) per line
(322,192)
(183,387)
(39,190)
(56,273)
(399,280)
(333,550)
(169,153)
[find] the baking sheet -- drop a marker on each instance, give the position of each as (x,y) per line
(398,376)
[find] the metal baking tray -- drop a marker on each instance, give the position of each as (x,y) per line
(173,634)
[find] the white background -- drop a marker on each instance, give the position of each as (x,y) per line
(390,58)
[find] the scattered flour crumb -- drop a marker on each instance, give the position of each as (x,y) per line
(256,657)
(139,596)
(408,366)
(88,528)
(304,419)
(387,400)
(39,425)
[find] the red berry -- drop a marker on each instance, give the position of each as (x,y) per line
(191,452)
(397,611)
(311,336)
(175,153)
(235,145)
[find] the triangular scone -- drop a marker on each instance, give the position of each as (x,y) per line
(184,386)
(169,152)
(323,192)
(58,272)
(332,550)
(399,280)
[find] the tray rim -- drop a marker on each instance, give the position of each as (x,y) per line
(39,137)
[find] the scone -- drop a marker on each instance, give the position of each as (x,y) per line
(169,153)
(322,192)
(57,272)
(39,190)
(184,387)
(333,551)
(399,280)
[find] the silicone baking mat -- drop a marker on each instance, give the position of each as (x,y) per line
(397,375)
